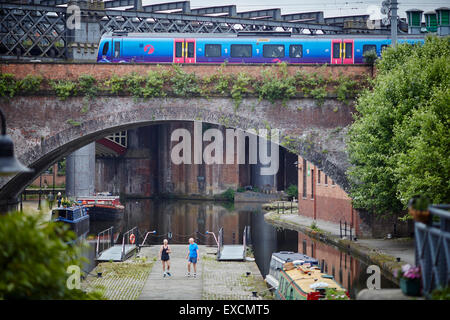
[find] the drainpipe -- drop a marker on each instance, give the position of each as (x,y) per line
(314,190)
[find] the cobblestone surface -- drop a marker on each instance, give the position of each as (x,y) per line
(119,280)
(227,280)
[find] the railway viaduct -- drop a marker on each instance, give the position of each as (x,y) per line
(45,128)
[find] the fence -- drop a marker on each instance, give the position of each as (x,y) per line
(433,248)
(130,238)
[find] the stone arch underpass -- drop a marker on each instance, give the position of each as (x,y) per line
(45,129)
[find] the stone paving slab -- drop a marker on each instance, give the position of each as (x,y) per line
(177,287)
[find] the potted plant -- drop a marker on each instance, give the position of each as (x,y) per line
(409,279)
(418,209)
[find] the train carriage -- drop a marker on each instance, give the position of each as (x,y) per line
(248,48)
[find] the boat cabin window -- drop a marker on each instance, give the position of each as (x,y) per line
(296,51)
(59,214)
(116,49)
(273,51)
(213,50)
(105,48)
(241,50)
(369,47)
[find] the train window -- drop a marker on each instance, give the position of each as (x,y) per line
(348,50)
(190,50)
(369,47)
(273,51)
(213,50)
(241,50)
(383,46)
(336,50)
(116,49)
(178,49)
(295,51)
(105,48)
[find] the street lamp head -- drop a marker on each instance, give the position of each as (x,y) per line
(9,165)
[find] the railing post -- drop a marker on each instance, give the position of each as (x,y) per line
(340,229)
(345,228)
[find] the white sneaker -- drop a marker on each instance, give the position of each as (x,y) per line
(188,274)
(195,275)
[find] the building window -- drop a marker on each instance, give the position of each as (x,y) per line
(312,183)
(273,51)
(326,180)
(119,138)
(304,178)
(241,50)
(213,50)
(318,176)
(295,51)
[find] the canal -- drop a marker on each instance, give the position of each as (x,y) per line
(178,220)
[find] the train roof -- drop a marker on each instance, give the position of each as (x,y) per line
(255,35)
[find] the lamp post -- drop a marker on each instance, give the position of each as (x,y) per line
(9,165)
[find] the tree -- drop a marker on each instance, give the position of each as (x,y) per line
(399,143)
(34,257)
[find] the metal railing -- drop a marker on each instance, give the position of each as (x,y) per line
(129,238)
(244,240)
(432,241)
(344,228)
(146,235)
(105,240)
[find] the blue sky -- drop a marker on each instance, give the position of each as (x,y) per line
(329,7)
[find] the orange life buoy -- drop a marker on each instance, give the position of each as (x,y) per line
(132,238)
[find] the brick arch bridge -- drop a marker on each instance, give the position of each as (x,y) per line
(45,129)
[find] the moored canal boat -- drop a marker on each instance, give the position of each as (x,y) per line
(103,207)
(278,260)
(308,283)
(76,217)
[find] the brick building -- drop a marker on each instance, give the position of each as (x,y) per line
(321,199)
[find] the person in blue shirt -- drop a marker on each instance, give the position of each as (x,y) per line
(193,257)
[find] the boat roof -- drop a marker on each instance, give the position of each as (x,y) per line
(305,277)
(286,256)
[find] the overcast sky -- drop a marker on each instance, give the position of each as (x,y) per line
(329,7)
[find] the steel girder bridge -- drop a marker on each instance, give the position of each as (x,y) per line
(39,28)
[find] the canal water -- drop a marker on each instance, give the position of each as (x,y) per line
(179,220)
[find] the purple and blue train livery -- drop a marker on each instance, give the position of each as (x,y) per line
(231,48)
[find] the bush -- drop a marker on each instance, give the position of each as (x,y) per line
(64,89)
(34,259)
(292,191)
(229,194)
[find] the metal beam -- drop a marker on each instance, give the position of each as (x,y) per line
(51,2)
(229,10)
(304,16)
(118,3)
(340,20)
(184,6)
(275,14)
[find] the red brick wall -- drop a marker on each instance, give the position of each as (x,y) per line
(72,71)
(47,179)
(329,202)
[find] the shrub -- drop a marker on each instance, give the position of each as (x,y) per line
(64,89)
(34,259)
(292,191)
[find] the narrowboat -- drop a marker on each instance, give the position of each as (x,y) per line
(279,259)
(103,207)
(308,283)
(76,217)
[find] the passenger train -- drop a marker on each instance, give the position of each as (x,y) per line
(247,48)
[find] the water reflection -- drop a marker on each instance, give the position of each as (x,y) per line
(180,220)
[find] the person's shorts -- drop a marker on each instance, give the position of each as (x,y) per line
(165,258)
(193,259)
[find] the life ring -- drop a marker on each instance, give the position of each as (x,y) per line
(132,238)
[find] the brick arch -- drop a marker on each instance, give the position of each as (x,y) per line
(57,135)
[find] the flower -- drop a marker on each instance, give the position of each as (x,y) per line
(407,271)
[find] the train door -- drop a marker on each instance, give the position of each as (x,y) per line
(184,51)
(116,49)
(342,51)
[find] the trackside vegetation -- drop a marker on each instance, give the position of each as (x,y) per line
(399,144)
